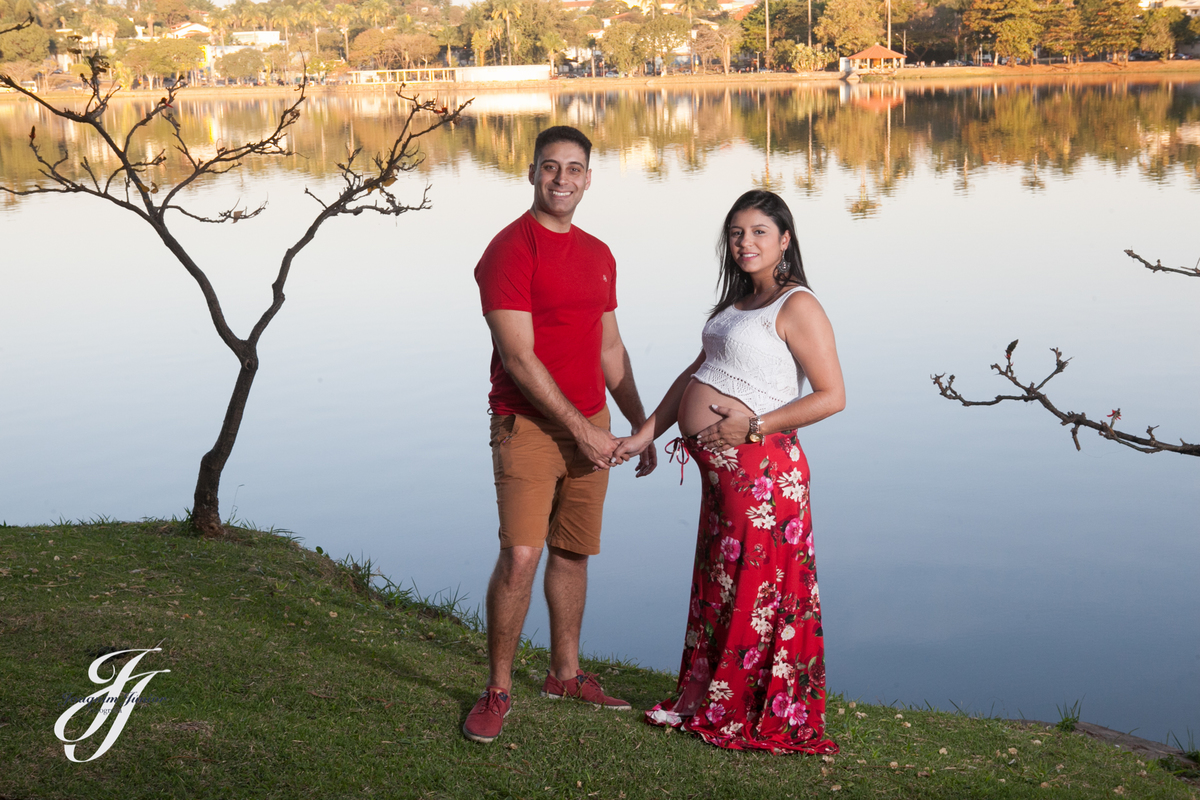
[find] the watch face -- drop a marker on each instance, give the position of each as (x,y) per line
(755,437)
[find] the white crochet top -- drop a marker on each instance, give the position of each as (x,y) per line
(745,358)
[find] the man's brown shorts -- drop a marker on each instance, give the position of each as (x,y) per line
(546,490)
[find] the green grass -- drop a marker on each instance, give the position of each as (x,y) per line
(291,677)
(1068,716)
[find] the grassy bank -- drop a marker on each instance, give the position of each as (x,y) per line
(289,679)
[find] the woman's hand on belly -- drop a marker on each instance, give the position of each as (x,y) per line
(697,417)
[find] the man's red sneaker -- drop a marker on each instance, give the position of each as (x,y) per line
(583,687)
(487,717)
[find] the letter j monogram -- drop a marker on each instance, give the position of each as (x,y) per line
(112,704)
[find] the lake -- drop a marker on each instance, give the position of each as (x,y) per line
(968,557)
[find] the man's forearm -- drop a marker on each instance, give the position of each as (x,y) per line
(618,375)
(535,382)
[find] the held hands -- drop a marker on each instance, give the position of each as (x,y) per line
(640,444)
(606,451)
(599,446)
(730,431)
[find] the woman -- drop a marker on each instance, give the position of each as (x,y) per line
(753,670)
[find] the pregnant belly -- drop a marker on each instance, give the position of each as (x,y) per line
(694,412)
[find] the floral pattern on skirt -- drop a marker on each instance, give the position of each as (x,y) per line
(753,668)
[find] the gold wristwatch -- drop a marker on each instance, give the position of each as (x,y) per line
(755,436)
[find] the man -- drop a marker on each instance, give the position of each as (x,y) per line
(549,294)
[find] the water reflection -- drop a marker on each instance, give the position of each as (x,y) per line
(878,131)
(968,556)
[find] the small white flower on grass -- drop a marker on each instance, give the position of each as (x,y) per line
(853,704)
(1012,751)
(943,751)
(906,724)
(860,715)
(1037,741)
(899,716)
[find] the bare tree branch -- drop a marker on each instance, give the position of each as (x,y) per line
(20,26)
(1191,272)
(131,186)
(1033,393)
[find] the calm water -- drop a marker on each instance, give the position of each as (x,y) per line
(968,556)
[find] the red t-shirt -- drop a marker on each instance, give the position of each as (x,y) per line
(567,281)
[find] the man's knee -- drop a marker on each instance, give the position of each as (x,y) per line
(517,565)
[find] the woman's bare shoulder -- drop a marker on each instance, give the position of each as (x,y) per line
(802,312)
(801,299)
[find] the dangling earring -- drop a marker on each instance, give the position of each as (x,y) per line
(782,271)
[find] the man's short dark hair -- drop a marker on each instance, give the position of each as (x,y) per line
(562,133)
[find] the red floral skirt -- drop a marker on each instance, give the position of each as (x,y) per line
(753,669)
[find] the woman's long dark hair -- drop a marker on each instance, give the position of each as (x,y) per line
(735,284)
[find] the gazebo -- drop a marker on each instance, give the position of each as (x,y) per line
(876,58)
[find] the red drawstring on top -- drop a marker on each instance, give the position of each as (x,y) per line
(674,448)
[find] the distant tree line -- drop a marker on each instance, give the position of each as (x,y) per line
(389,34)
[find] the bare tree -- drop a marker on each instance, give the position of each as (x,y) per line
(1191,272)
(129,185)
(1032,393)
(18,26)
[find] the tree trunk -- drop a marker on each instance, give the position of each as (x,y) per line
(206,513)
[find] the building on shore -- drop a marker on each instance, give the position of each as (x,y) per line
(875,58)
(498,74)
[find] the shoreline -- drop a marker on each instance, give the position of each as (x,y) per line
(1146,748)
(1140,71)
